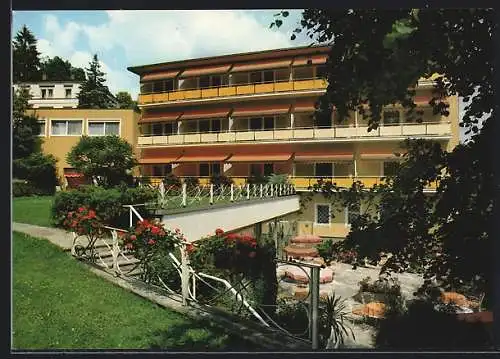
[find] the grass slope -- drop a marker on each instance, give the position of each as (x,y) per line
(32,210)
(60,304)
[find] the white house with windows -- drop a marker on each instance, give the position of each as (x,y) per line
(52,94)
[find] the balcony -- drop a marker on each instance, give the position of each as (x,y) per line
(301,183)
(429,129)
(54,102)
(233,90)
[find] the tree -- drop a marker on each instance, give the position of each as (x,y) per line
(125,101)
(107,159)
(57,69)
(93,92)
(376,59)
(25,128)
(25,57)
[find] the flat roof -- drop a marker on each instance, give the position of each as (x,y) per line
(242,56)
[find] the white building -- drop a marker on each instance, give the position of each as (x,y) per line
(52,94)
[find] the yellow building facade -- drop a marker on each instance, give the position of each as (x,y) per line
(61,129)
(252,114)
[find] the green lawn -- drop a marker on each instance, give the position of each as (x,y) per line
(32,210)
(59,304)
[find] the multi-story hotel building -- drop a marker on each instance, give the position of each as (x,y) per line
(253,114)
(52,94)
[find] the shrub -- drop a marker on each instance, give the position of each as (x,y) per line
(191,182)
(220,180)
(151,243)
(39,170)
(330,251)
(23,188)
(277,179)
(172,180)
(108,203)
(257,179)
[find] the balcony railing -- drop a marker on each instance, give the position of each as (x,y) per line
(299,182)
(233,90)
(305,133)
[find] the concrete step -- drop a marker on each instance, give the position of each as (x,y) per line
(307,239)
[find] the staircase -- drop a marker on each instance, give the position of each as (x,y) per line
(303,248)
(104,260)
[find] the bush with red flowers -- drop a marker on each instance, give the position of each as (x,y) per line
(226,254)
(151,242)
(84,222)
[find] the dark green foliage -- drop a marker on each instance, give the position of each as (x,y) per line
(108,159)
(93,92)
(22,189)
(25,57)
(423,328)
(125,101)
(172,180)
(257,179)
(39,170)
(192,182)
(57,69)
(220,180)
(25,128)
(108,203)
(376,59)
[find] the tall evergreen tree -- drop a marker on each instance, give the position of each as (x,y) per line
(25,127)
(26,58)
(93,92)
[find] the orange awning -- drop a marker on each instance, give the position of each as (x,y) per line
(315,60)
(201,158)
(264,65)
(321,156)
(161,116)
(260,157)
(209,70)
(161,160)
(378,156)
(260,110)
(160,75)
(304,107)
(205,113)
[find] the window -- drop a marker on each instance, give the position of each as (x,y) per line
(323,169)
(50,93)
(157,129)
(204,82)
(216,81)
(256,123)
(390,168)
(67,93)
(323,214)
(167,169)
(268,76)
(268,123)
(204,125)
(321,71)
(216,125)
(303,73)
(169,128)
(342,169)
(157,170)
(66,127)
(255,169)
(256,77)
(391,117)
(169,85)
(204,170)
(158,86)
(268,169)
(215,169)
(146,87)
(44,93)
(41,124)
(104,128)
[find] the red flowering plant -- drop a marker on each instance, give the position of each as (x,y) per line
(84,223)
(151,243)
(225,253)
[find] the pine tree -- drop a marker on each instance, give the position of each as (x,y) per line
(93,92)
(26,58)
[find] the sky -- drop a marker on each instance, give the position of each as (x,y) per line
(139,37)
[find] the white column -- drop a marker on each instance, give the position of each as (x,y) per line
(179,124)
(355,163)
(356,118)
(230,124)
(293,169)
(292,120)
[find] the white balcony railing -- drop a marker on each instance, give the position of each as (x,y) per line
(430,129)
(54,102)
